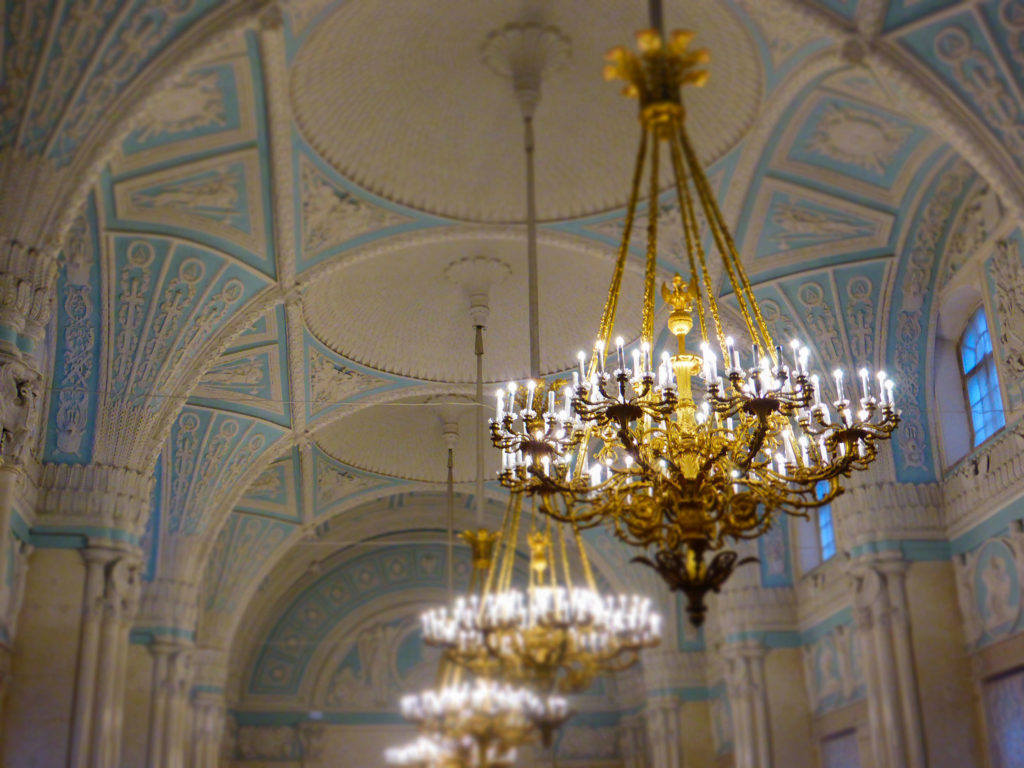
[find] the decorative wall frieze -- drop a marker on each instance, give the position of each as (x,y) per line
(985,481)
(755,609)
(95,496)
(169,604)
(822,592)
(667,669)
(872,512)
(280,742)
(27,279)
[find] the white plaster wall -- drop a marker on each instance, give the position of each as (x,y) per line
(45,656)
(789,712)
(948,705)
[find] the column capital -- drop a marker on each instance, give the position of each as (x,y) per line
(113,501)
(170,608)
(27,279)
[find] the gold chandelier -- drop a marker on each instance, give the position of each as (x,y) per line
(476,721)
(630,446)
(556,634)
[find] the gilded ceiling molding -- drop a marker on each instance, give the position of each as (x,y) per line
(109,502)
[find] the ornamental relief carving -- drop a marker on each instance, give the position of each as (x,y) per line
(330,383)
(19,391)
(923,253)
(859,137)
(989,582)
(332,216)
(975,71)
(72,415)
(1007,265)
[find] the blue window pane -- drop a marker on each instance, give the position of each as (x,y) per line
(826,532)
(981,382)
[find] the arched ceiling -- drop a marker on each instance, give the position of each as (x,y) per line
(246,295)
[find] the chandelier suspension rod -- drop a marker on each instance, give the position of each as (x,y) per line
(451,526)
(481,424)
(657,18)
(531,245)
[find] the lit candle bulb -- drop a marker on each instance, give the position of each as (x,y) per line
(889,384)
(729,347)
(864,383)
(837,374)
(620,354)
(636,364)
(500,396)
(580,358)
(816,385)
(551,401)
(567,392)
(599,351)
(646,349)
(805,354)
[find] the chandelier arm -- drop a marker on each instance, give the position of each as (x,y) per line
(565,555)
(611,302)
(692,233)
(588,573)
(496,563)
(727,246)
(647,314)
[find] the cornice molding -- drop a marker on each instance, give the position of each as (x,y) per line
(985,481)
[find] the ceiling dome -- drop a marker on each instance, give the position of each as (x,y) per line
(402,103)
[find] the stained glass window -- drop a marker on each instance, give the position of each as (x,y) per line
(981,384)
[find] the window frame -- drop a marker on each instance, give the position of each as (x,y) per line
(980,368)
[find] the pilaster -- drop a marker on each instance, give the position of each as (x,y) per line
(111,601)
(208,708)
(887,656)
(748,696)
(169,703)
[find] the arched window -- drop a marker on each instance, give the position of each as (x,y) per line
(981,384)
(816,536)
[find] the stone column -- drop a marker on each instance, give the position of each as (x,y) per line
(632,742)
(112,587)
(663,732)
(169,709)
(206,722)
(748,697)
(883,634)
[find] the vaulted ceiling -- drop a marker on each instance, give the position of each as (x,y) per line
(259,212)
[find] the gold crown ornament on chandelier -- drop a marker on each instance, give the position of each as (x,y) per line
(628,444)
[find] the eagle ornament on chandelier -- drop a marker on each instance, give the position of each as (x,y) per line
(630,445)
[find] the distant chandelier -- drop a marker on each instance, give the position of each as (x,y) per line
(476,722)
(554,634)
(628,445)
